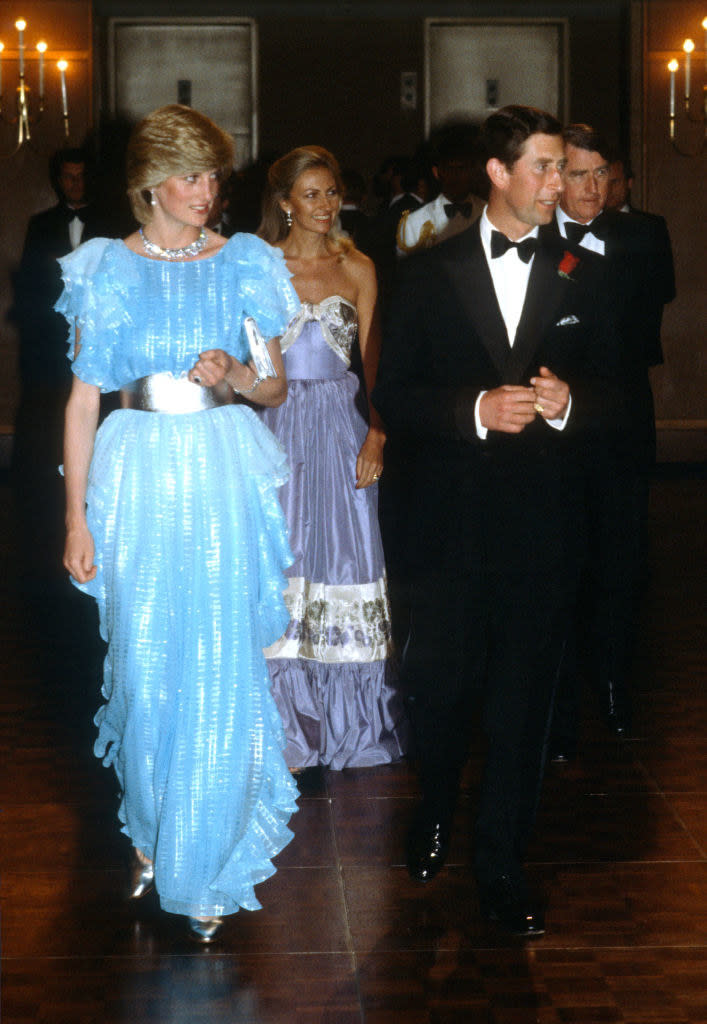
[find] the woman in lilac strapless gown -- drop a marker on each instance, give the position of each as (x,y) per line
(333,675)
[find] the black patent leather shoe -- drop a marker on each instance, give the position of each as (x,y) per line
(310,780)
(508,905)
(562,754)
(427,848)
(618,726)
(617,712)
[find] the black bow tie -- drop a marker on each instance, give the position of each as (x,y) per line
(500,245)
(576,232)
(81,213)
(452,209)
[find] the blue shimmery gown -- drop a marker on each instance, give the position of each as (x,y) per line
(191,547)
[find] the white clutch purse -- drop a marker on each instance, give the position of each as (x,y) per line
(258,350)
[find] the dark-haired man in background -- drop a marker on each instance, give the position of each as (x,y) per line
(634,251)
(492,366)
(51,234)
(618,196)
(456,165)
(45,372)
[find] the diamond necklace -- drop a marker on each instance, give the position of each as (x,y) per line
(174,254)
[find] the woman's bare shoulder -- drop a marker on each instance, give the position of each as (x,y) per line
(359,266)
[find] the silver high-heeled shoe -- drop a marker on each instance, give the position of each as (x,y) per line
(205,929)
(142,877)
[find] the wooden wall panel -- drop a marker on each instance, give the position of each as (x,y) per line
(674,186)
(334,78)
(24,181)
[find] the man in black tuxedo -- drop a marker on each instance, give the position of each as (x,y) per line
(634,252)
(408,189)
(45,371)
(620,183)
(458,170)
(618,195)
(491,369)
(51,234)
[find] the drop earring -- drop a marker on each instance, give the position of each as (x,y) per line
(153,200)
(288,218)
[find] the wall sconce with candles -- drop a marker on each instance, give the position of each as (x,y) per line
(25,115)
(688,49)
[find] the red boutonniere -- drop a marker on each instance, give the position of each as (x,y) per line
(567,265)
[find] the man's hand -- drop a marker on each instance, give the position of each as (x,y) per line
(551,395)
(509,408)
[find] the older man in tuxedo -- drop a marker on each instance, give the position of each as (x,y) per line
(634,251)
(491,372)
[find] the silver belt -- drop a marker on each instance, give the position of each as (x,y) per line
(163,392)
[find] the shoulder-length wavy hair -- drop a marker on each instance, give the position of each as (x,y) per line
(281,179)
(173,140)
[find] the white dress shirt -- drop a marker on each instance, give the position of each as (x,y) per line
(510,277)
(75,232)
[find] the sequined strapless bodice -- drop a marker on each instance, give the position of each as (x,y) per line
(317,342)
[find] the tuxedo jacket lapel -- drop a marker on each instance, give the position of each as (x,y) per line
(473,287)
(60,235)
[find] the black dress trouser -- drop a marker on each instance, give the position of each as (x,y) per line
(488,629)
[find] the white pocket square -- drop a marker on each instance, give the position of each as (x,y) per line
(566,321)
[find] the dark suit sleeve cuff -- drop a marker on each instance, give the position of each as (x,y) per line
(464,414)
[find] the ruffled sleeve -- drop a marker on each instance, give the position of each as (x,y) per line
(95,300)
(264,285)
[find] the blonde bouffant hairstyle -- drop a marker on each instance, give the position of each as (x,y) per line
(173,140)
(281,179)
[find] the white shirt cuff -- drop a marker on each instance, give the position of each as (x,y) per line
(558,424)
(561,423)
(481,430)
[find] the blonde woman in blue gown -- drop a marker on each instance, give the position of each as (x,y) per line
(174,525)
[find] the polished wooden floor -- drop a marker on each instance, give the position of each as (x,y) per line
(344,935)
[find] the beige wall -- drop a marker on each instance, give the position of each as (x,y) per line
(337,81)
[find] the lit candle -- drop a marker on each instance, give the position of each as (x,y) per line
(21,25)
(672,68)
(704,26)
(688,46)
(62,65)
(42,47)
(2,47)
